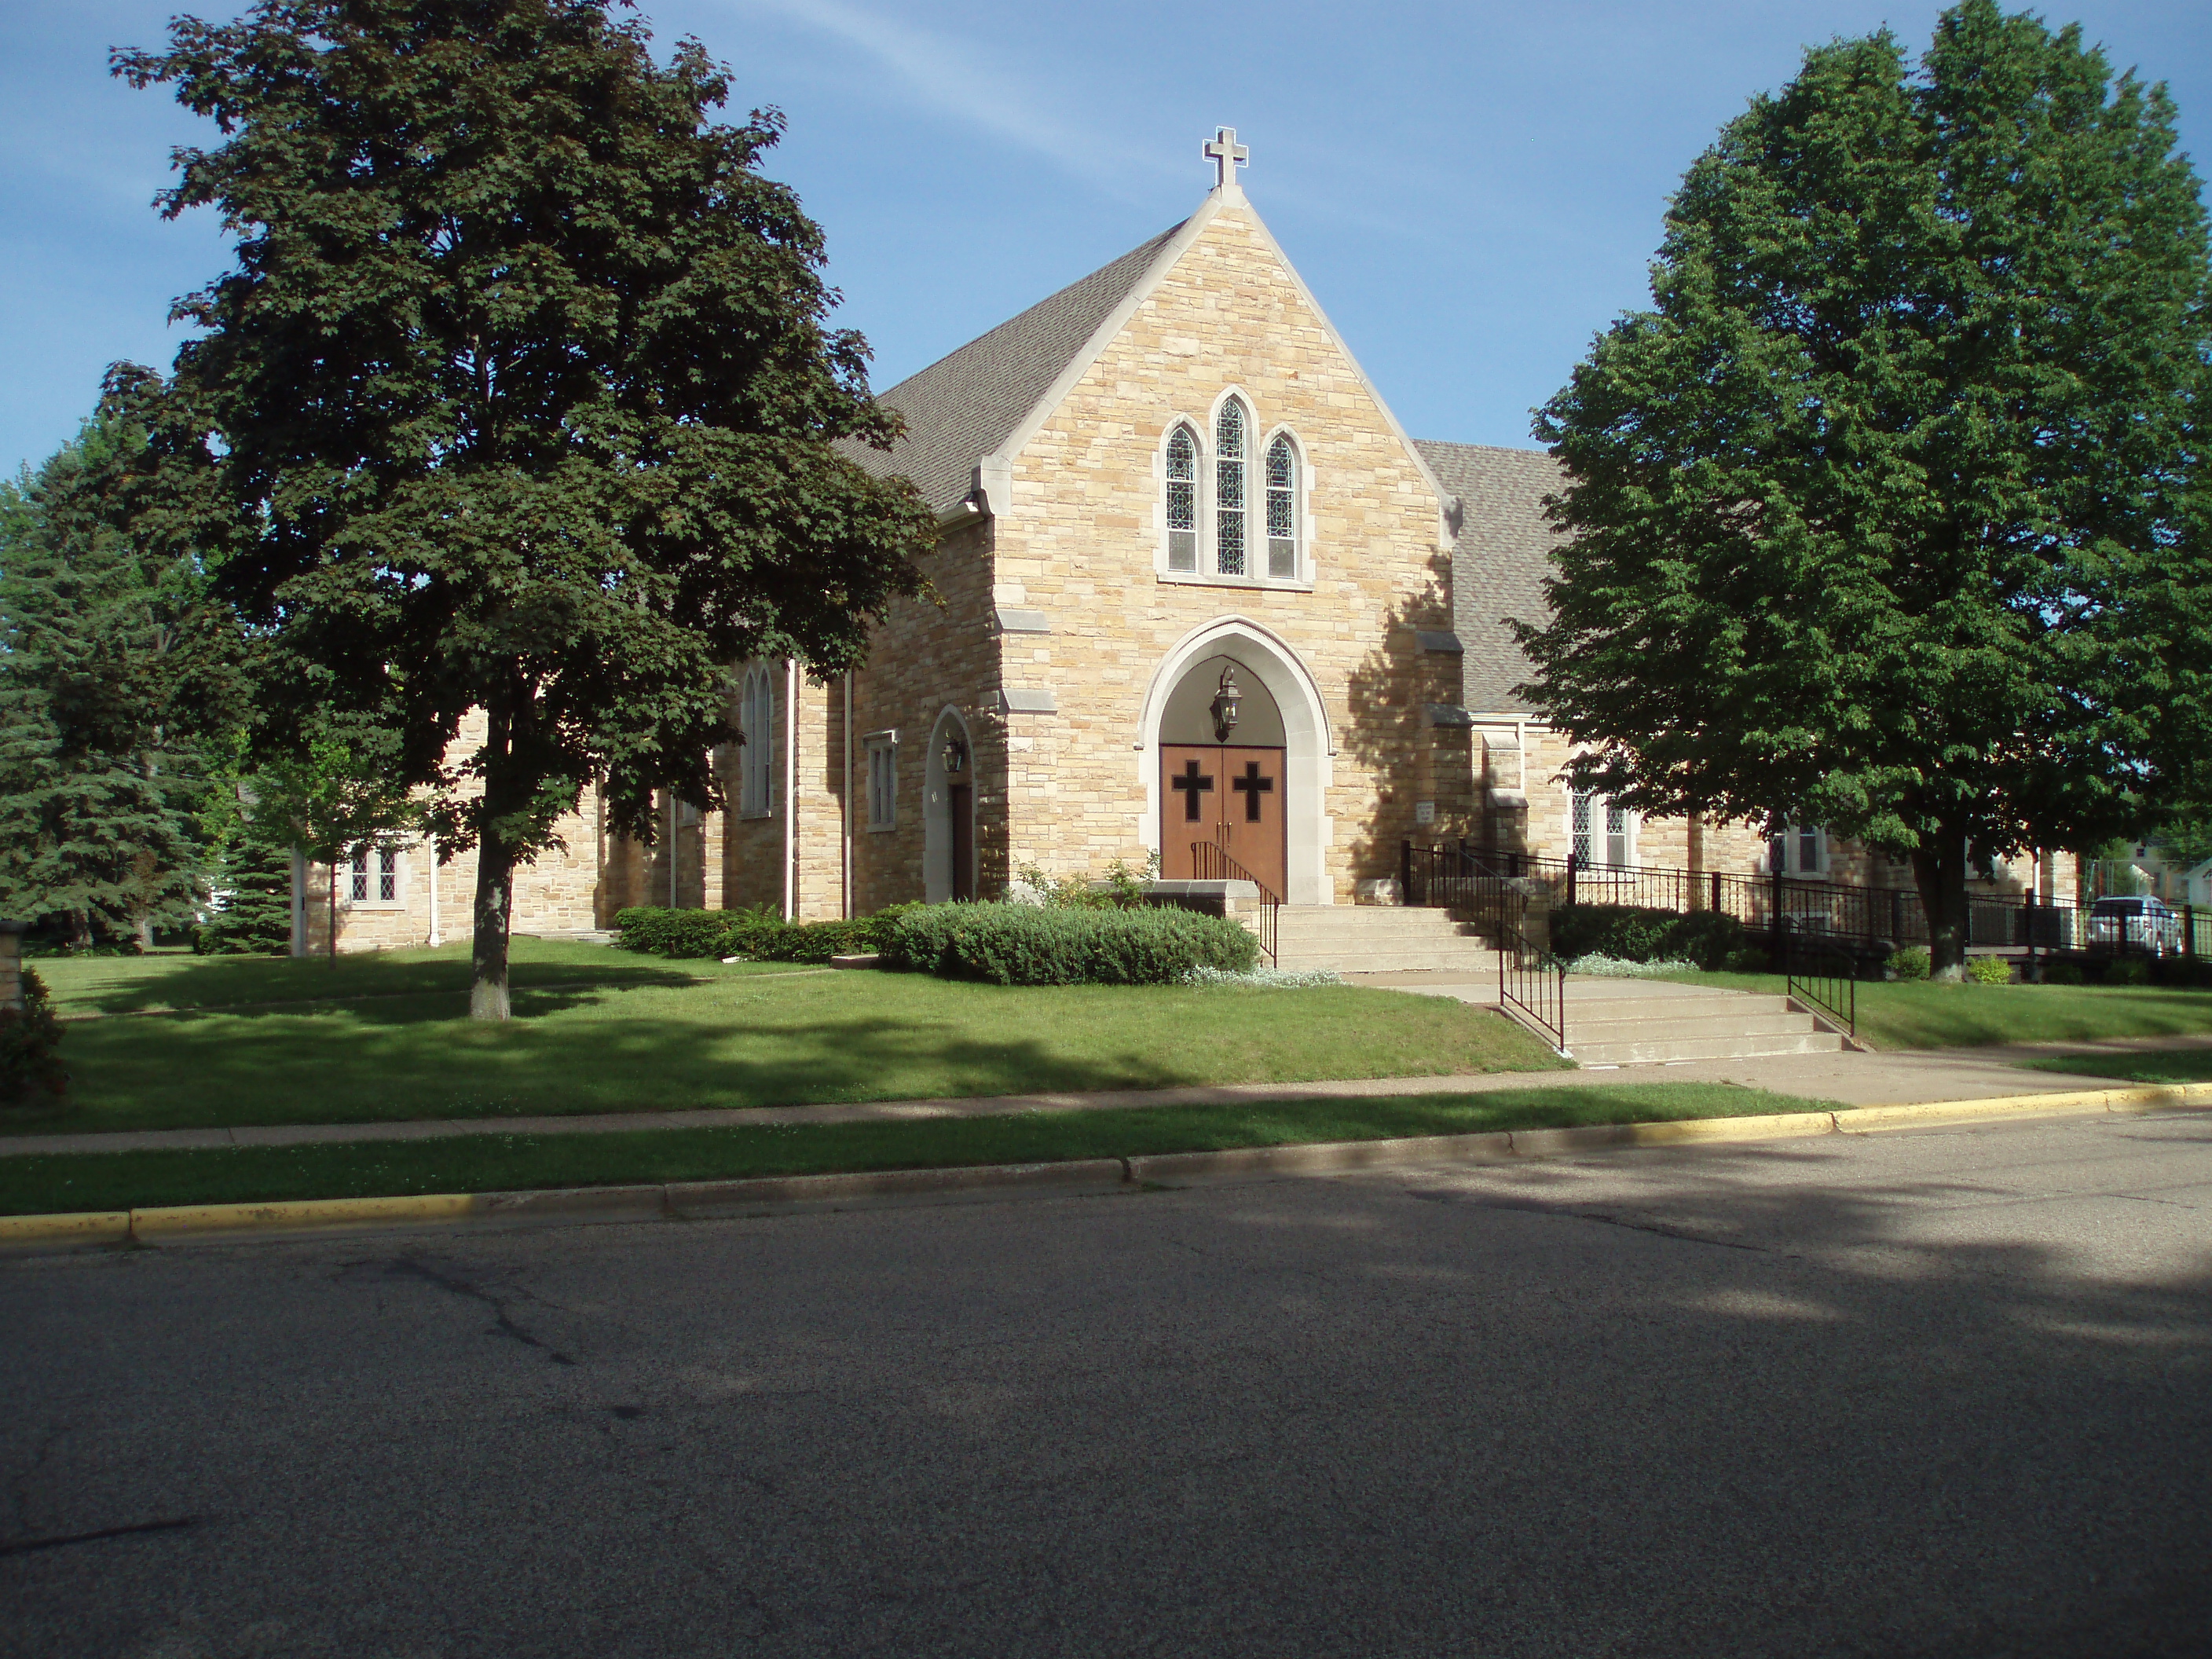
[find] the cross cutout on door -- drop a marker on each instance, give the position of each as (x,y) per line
(1192,784)
(1252,786)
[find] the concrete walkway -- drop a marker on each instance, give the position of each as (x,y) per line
(1847,1078)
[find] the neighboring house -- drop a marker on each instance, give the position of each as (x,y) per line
(1166,487)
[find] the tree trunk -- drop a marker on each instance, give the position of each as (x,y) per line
(494,904)
(1940,872)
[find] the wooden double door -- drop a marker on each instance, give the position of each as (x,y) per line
(1231,794)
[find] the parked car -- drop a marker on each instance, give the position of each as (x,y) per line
(2139,923)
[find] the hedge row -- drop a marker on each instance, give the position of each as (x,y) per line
(1039,945)
(760,934)
(1629,932)
(30,1037)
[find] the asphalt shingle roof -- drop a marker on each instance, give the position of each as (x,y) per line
(964,406)
(1504,553)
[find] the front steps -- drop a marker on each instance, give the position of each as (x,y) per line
(1612,1021)
(1369,939)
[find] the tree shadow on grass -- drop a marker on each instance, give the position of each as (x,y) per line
(382,1063)
(218,982)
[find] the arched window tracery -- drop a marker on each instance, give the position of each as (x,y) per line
(1282,507)
(1183,499)
(1229,496)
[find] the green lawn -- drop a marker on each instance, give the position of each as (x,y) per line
(597,1030)
(1925,1015)
(2167,1065)
(501,1163)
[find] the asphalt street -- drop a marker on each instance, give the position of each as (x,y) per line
(1940,1393)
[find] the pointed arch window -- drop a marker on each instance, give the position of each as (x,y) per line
(1229,503)
(1282,507)
(756,752)
(1183,499)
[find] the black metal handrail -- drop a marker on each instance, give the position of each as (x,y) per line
(1451,876)
(1823,975)
(1211,861)
(1529,977)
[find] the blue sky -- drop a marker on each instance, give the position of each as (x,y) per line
(1472,190)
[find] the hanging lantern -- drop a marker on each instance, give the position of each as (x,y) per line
(1225,706)
(955,755)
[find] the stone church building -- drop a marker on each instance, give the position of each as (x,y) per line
(1197,594)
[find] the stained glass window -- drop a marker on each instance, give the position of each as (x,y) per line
(1182,501)
(1282,509)
(1583,800)
(1228,489)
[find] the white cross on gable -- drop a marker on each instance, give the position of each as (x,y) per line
(1227,156)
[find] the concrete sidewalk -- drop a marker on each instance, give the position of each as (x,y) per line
(1846,1079)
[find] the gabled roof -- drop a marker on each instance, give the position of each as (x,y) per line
(963,407)
(1503,554)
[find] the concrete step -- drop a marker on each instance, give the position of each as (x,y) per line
(1656,1050)
(1718,1026)
(1472,965)
(1671,1008)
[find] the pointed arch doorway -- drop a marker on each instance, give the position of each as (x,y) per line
(1223,779)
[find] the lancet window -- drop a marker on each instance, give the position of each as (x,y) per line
(1229,504)
(756,754)
(1183,499)
(1282,508)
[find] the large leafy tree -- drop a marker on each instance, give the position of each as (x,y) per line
(1890,512)
(114,662)
(521,398)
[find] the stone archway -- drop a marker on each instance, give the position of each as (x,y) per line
(1282,707)
(948,815)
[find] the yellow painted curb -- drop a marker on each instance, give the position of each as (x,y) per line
(2144,1098)
(80,1227)
(305,1212)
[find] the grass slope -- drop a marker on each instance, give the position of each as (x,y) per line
(44,1184)
(597,1030)
(2158,1066)
(1925,1015)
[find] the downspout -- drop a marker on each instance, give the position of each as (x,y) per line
(672,850)
(299,902)
(845,807)
(790,788)
(430,852)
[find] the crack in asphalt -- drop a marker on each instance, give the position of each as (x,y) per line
(503,1323)
(26,1546)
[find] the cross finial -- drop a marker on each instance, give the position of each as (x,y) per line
(1227,156)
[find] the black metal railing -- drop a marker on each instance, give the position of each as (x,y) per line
(1530,979)
(1823,975)
(1210,862)
(1458,877)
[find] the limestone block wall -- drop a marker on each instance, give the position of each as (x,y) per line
(1080,538)
(940,651)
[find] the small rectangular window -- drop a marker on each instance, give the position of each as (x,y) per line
(1809,851)
(883,780)
(388,877)
(360,887)
(1583,800)
(1616,837)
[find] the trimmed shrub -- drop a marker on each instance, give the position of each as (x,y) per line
(1749,960)
(29,1038)
(1990,971)
(1628,933)
(1911,963)
(2063,973)
(759,934)
(1038,944)
(2133,970)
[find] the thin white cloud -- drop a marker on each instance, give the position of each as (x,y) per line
(954,79)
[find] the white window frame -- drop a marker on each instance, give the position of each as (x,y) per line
(881,751)
(1607,828)
(1789,843)
(1258,440)
(369,874)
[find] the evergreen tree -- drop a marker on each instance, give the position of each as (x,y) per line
(99,779)
(1891,514)
(521,398)
(253,885)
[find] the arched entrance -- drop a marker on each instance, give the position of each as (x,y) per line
(948,811)
(1251,782)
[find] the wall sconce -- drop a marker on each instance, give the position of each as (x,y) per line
(1225,706)
(955,755)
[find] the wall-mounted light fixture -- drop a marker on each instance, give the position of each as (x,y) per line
(955,755)
(1225,706)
